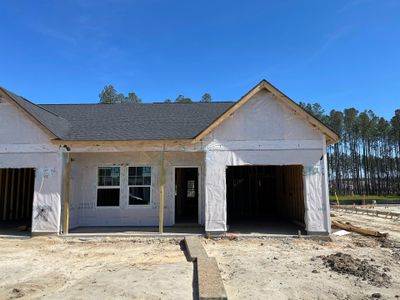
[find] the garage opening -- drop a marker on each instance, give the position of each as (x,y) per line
(16,199)
(269,199)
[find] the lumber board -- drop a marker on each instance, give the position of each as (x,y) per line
(364,231)
(370,212)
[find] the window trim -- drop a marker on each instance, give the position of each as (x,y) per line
(149,186)
(103,187)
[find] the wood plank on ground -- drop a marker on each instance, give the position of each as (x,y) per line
(365,231)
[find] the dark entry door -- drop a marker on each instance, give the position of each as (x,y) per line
(186,195)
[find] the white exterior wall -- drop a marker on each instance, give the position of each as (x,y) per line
(24,145)
(83,205)
(266,132)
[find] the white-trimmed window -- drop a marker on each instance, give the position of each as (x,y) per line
(139,186)
(108,186)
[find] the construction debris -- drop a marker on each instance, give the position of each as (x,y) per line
(350,227)
(346,264)
(370,212)
(341,232)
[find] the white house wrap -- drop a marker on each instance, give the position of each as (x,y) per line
(264,128)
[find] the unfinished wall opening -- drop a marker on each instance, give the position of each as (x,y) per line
(186,195)
(16,199)
(269,197)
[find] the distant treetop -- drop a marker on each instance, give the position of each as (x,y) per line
(109,95)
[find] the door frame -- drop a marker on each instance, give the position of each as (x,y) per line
(199,196)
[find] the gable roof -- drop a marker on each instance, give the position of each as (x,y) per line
(54,125)
(145,121)
(331,136)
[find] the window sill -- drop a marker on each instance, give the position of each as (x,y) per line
(140,206)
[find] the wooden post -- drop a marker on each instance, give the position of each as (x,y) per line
(67,177)
(162,195)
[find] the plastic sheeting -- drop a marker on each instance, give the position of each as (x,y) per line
(46,212)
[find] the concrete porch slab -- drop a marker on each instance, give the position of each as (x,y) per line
(170,231)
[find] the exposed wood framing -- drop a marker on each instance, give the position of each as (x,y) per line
(162,194)
(16,194)
(67,192)
(265,191)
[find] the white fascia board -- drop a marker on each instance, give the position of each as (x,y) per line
(264,145)
(28,148)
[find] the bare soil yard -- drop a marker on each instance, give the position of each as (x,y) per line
(296,269)
(55,268)
(349,267)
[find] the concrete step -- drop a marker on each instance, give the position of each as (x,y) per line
(194,248)
(211,286)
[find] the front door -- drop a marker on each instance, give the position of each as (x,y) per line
(186,195)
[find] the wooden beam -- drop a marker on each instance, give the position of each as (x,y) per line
(365,231)
(118,142)
(2,191)
(67,177)
(18,196)
(162,194)
(6,189)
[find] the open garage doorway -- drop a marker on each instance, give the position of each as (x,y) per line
(16,199)
(265,199)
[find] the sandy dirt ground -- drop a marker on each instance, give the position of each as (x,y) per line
(348,267)
(55,268)
(292,269)
(295,268)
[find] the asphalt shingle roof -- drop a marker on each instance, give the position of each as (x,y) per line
(138,121)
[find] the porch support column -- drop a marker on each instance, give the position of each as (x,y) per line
(162,194)
(67,178)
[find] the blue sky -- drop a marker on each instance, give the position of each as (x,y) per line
(338,53)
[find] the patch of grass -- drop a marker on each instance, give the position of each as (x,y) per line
(360,197)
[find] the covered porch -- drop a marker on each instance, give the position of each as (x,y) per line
(134,191)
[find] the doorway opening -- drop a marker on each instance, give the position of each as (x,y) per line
(16,199)
(266,198)
(186,195)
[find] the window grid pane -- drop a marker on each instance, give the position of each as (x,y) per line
(139,176)
(108,176)
(139,182)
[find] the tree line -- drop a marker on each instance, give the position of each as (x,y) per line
(366,161)
(109,95)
